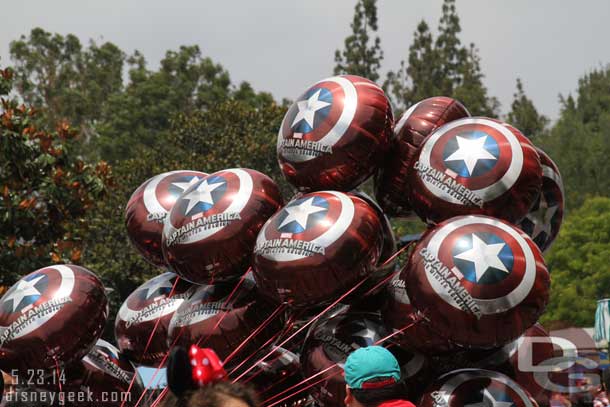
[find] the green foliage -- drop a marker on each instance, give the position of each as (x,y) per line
(45,191)
(141,114)
(579,262)
(68,82)
(580,141)
(85,86)
(441,67)
(362,54)
(524,116)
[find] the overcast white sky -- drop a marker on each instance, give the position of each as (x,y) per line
(283,46)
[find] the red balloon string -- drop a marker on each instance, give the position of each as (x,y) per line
(152,334)
(311,321)
(415,321)
(398,253)
(275,337)
(252,377)
(158,369)
(202,341)
(300,383)
(304,388)
(262,326)
(171,293)
(378,342)
(160,397)
(58,378)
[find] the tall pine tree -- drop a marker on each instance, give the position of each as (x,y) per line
(441,66)
(362,54)
(524,115)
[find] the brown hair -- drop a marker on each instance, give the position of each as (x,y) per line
(214,395)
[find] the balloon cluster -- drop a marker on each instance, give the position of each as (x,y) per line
(283,292)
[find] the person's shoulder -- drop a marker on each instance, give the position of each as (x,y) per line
(397,403)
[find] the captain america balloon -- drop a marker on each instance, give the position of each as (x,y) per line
(475,166)
(335,134)
(148,207)
(141,324)
(211,230)
(543,221)
(209,318)
(421,119)
(412,331)
(476,388)
(479,282)
(51,317)
(317,247)
(103,372)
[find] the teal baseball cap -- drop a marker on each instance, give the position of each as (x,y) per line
(365,368)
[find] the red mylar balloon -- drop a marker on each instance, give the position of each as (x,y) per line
(335,134)
(211,230)
(51,317)
(478,281)
(280,371)
(329,343)
(399,313)
(476,387)
(208,320)
(543,221)
(149,308)
(316,248)
(385,266)
(475,166)
(421,119)
(148,207)
(103,376)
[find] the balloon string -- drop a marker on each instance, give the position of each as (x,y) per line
(398,253)
(289,325)
(58,378)
(160,397)
(299,384)
(315,318)
(378,342)
(202,341)
(252,377)
(158,369)
(262,326)
(133,379)
(152,334)
(305,388)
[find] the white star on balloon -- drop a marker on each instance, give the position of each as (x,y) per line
(489,401)
(203,193)
(300,213)
(23,289)
(483,256)
(155,285)
(471,151)
(185,185)
(541,217)
(308,108)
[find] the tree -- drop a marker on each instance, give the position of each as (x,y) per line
(45,191)
(579,142)
(441,67)
(84,85)
(524,116)
(579,262)
(362,54)
(55,74)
